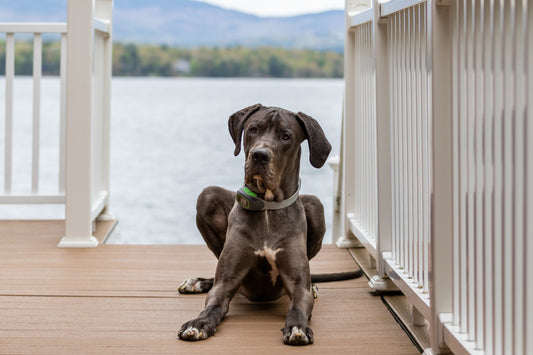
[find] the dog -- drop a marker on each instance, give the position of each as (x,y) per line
(264,234)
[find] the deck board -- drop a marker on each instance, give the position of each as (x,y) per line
(123,299)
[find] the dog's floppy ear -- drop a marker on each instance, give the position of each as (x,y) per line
(319,146)
(236,124)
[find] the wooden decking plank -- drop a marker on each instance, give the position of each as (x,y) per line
(123,299)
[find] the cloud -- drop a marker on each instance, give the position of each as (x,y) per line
(278,7)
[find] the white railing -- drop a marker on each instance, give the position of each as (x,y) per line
(84,100)
(410,156)
(437,156)
(34,195)
(362,216)
(491,46)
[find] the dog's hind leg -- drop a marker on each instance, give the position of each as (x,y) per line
(316,224)
(212,209)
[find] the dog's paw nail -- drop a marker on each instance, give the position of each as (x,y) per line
(297,333)
(298,336)
(194,285)
(183,286)
(193,334)
(314,291)
(188,286)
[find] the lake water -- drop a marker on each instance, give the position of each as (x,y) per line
(169,141)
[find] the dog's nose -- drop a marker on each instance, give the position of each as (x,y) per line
(260,155)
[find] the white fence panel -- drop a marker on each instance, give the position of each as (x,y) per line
(490,120)
(33,194)
(364,221)
(460,85)
(360,202)
(411,142)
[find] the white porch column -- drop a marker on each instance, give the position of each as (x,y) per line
(78,221)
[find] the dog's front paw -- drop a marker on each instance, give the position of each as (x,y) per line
(195,330)
(192,334)
(297,335)
(196,285)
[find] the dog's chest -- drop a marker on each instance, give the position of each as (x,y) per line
(269,255)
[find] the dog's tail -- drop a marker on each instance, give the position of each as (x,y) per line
(338,276)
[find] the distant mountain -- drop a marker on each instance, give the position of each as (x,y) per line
(189,23)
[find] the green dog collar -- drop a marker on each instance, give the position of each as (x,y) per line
(249,200)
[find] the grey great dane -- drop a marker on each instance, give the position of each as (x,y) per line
(264,234)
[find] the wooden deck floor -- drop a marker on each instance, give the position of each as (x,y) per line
(122,299)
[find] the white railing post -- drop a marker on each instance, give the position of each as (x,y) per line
(334,164)
(439,71)
(62,112)
(381,69)
(37,74)
(79,130)
(10,74)
(104,12)
(528,250)
(347,152)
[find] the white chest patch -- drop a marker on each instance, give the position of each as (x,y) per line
(270,255)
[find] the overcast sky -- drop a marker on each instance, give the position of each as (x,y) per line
(279,7)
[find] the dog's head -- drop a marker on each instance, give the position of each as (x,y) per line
(271,139)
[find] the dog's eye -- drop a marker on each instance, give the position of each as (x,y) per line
(286,137)
(253,130)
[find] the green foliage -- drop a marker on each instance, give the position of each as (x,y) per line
(161,60)
(24,58)
(265,62)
